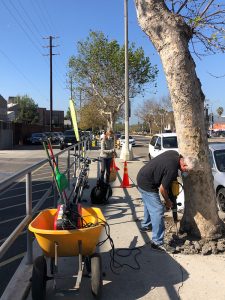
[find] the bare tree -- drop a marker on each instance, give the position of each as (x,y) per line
(156,113)
(172,26)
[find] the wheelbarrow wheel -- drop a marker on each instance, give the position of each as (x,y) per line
(96,275)
(39,276)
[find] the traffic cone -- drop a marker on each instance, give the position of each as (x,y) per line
(125,183)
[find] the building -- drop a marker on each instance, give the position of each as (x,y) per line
(3,109)
(12,107)
(57,118)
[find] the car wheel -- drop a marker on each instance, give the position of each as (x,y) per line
(61,146)
(220,198)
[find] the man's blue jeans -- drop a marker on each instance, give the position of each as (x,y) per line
(153,214)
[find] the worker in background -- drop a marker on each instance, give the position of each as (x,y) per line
(106,154)
(102,136)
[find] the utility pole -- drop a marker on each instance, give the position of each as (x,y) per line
(71,87)
(126,153)
(51,85)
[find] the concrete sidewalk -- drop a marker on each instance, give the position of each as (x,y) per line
(147,273)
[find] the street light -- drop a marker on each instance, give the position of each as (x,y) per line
(126,152)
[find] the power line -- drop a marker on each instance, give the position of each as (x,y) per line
(57,78)
(30,19)
(22,28)
(21,73)
(45,12)
(40,16)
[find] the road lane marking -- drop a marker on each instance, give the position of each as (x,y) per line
(3,240)
(35,184)
(13,219)
(24,194)
(16,218)
(12,259)
(16,205)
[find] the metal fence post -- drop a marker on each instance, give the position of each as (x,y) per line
(68,168)
(29,213)
(79,152)
(55,192)
(74,163)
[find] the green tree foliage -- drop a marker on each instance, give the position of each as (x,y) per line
(219,111)
(27,110)
(68,115)
(99,70)
(90,117)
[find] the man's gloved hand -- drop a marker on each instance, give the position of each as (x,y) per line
(169,204)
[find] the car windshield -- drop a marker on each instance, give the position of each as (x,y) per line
(170,142)
(220,159)
(123,137)
(69,132)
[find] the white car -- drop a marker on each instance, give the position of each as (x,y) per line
(162,142)
(131,140)
(217,162)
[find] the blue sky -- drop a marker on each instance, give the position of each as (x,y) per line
(25,70)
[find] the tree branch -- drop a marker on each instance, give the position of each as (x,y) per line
(182,6)
(206,8)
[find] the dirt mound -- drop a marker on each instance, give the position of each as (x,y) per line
(188,245)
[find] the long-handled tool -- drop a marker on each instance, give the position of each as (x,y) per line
(53,172)
(173,193)
(68,215)
(60,177)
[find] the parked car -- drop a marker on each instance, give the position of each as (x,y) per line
(131,140)
(37,138)
(117,135)
(67,139)
(217,161)
(58,136)
(86,135)
(52,136)
(162,142)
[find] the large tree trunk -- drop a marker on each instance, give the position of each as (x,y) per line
(170,36)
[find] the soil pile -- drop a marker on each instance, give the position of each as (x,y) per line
(188,245)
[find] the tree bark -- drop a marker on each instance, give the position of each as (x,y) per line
(170,36)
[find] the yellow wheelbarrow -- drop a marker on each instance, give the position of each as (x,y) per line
(63,243)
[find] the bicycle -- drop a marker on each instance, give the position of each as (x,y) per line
(82,178)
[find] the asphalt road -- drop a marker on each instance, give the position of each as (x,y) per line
(12,201)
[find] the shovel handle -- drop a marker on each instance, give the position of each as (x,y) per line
(51,151)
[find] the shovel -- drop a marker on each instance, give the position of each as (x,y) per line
(60,179)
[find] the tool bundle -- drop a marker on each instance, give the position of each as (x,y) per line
(68,215)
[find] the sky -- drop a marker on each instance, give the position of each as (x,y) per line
(25,26)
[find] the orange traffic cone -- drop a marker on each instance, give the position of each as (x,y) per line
(125,183)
